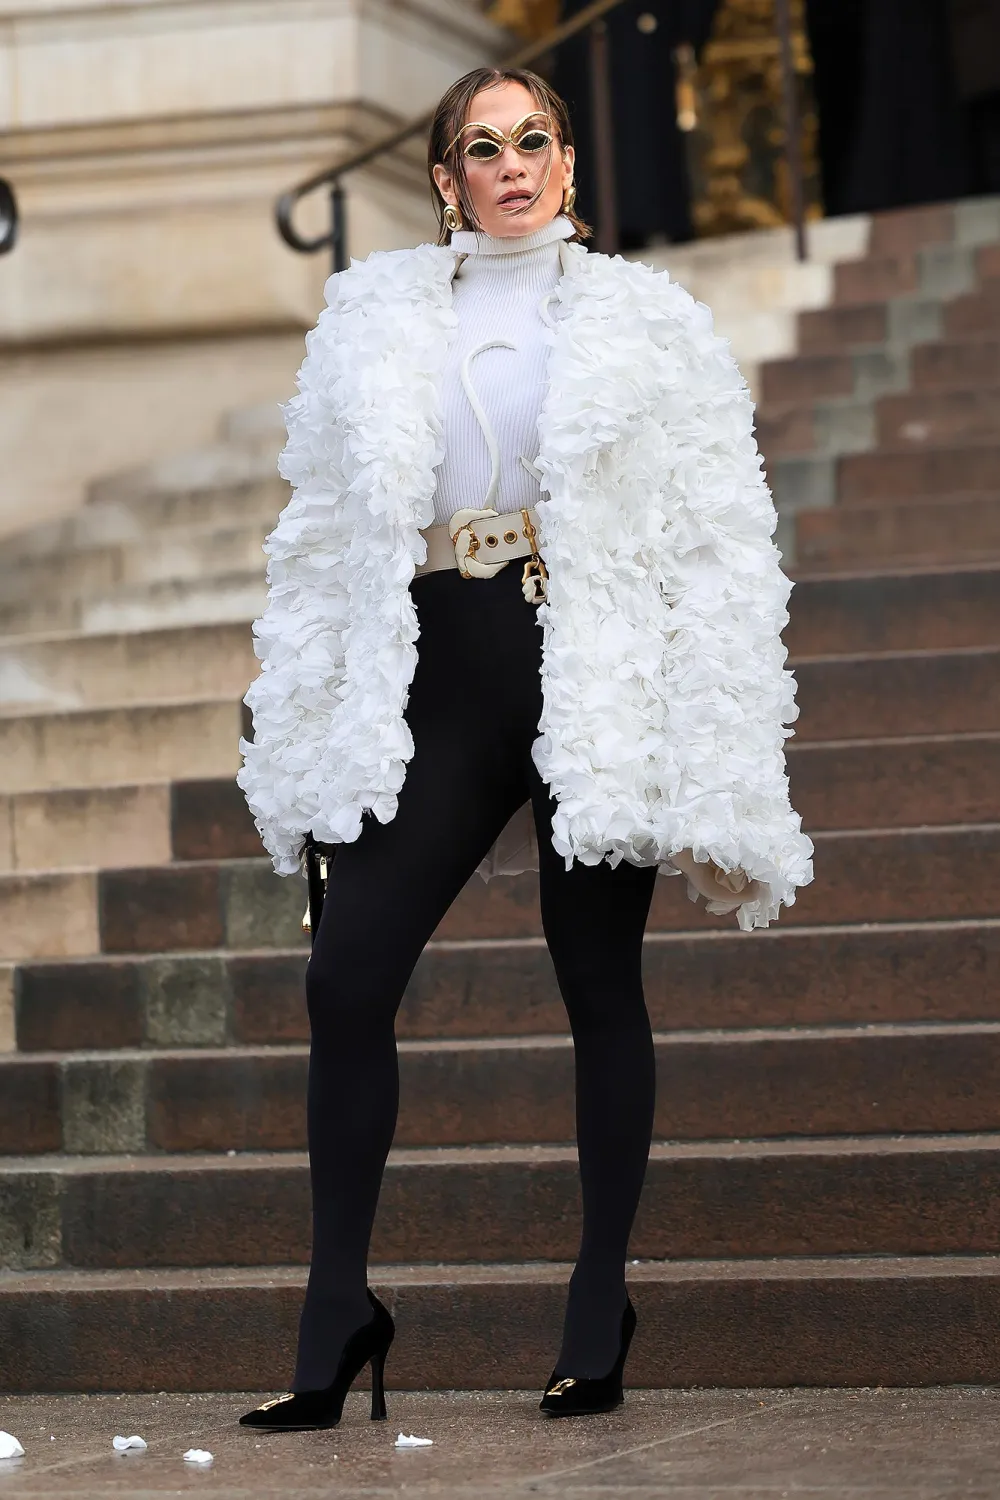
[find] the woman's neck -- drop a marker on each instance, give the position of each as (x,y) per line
(477,242)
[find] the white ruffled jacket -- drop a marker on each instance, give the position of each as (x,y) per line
(664,689)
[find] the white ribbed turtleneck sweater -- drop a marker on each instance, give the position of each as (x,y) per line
(498,294)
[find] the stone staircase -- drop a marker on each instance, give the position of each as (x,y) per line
(822,1203)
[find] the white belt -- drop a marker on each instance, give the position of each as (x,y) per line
(479,551)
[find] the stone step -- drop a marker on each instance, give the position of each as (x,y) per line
(974,315)
(93,747)
(91,826)
(131,516)
(792,428)
(910,419)
(901,322)
(893,875)
(882,1320)
(53,914)
(924,779)
(940,271)
(947,971)
(938,417)
(70,670)
(862,375)
(191,739)
(862,783)
(901,231)
(988,262)
(905,609)
(75,748)
(921,1195)
(919,530)
(151,824)
(262,427)
(868,373)
(897,972)
(81,574)
(923,474)
(877,278)
(126,825)
(954,363)
(235,597)
(147,607)
(816,481)
(512,1091)
(881,694)
(877,875)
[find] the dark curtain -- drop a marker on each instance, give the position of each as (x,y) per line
(909,147)
(837,41)
(653,190)
(908,93)
(975,36)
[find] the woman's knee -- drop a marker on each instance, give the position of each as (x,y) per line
(600,994)
(350,988)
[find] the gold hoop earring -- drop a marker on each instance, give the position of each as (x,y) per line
(452,217)
(569,198)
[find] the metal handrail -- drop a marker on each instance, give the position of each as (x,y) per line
(591,16)
(9,219)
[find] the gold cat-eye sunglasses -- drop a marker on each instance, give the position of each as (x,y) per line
(489,142)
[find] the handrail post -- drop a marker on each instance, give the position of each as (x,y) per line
(604,164)
(9,220)
(338,225)
(793,126)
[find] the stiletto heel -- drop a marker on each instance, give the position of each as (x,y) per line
(378,1387)
(570,1397)
(308,1411)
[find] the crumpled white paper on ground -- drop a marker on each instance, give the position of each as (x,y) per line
(198,1456)
(123,1444)
(412,1442)
(9,1446)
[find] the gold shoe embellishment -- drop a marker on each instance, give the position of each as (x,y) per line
(561,1385)
(277,1401)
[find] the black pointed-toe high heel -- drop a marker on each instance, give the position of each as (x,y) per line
(572,1397)
(308,1411)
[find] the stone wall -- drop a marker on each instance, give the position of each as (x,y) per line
(147,142)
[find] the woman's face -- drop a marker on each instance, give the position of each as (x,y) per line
(500,187)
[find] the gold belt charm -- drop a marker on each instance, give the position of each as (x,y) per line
(534,578)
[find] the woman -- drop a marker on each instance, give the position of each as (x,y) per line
(526,576)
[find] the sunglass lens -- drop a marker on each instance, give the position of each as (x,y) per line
(534,140)
(482,149)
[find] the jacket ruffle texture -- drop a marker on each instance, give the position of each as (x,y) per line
(664,689)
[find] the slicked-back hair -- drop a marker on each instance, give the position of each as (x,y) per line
(451,114)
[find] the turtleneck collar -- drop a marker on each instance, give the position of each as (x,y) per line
(474,242)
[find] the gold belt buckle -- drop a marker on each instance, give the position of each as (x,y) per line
(467,543)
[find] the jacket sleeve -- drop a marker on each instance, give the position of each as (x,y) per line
(298,639)
(728,695)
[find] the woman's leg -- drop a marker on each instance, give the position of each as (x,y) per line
(594,917)
(387,893)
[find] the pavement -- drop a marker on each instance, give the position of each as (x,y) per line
(875,1444)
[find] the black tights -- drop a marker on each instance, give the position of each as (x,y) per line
(473,709)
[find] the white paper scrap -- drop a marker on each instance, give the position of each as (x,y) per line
(9,1446)
(412,1442)
(122,1444)
(198,1456)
